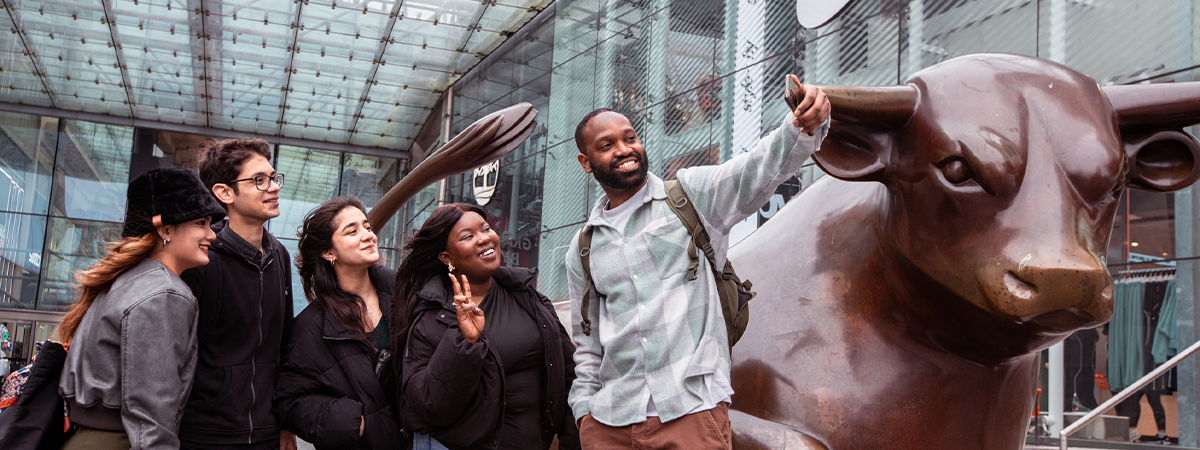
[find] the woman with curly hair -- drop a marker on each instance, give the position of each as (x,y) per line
(467,382)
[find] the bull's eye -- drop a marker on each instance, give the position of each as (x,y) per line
(1117,190)
(956,171)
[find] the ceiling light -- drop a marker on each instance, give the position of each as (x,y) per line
(1133,244)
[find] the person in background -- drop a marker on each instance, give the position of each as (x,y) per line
(329,392)
(133,331)
(245,306)
(467,382)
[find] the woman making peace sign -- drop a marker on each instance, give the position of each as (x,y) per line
(487,363)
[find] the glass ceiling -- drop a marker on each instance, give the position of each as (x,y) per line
(358,72)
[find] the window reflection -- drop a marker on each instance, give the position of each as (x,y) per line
(71,245)
(21,237)
(369,178)
(27,145)
(312,177)
(92,171)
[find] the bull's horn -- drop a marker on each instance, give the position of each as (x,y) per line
(885,107)
(1144,106)
(484,141)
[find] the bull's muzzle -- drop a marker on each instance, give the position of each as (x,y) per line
(1060,292)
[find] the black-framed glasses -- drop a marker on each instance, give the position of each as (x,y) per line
(260,182)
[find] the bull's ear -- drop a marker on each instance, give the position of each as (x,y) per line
(854,152)
(859,145)
(1162,161)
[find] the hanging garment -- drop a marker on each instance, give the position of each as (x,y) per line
(1125,360)
(1166,345)
(1079,365)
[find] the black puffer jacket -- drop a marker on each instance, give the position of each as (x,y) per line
(453,390)
(327,381)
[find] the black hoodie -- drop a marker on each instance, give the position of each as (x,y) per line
(245,312)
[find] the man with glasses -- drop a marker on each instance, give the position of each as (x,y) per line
(245,306)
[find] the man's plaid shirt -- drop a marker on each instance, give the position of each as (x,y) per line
(658,334)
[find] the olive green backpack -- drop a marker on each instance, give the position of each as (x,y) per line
(734,293)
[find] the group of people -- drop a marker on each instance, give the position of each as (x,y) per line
(184,336)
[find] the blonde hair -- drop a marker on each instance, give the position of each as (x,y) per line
(98,278)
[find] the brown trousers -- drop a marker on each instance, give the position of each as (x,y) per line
(702,430)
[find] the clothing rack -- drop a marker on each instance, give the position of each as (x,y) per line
(1146,275)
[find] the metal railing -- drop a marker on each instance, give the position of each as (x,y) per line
(1128,392)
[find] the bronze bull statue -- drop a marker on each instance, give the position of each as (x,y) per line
(963,229)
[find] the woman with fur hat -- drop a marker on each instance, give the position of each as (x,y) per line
(132,334)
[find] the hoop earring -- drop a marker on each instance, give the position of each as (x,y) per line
(333,262)
(165,241)
(450,266)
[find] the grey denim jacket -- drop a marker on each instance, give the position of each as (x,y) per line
(134,354)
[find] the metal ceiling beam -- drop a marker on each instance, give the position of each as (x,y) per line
(198,36)
(110,19)
(475,26)
(129,122)
(33,57)
(384,40)
(287,78)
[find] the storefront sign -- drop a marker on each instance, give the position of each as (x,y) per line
(484,182)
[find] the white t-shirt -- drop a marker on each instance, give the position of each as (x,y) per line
(618,217)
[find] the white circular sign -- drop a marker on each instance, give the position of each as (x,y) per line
(814,13)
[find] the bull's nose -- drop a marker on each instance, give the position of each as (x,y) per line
(1060,294)
(1017,287)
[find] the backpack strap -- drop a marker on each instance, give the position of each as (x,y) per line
(585,253)
(682,207)
(733,292)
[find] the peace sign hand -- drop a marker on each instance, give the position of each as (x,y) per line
(470,317)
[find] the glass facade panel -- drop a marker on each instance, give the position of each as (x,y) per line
(71,245)
(299,301)
(27,147)
(21,238)
(369,178)
(311,178)
(92,171)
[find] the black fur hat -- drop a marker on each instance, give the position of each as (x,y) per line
(173,194)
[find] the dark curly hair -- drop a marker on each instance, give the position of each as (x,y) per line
(421,264)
